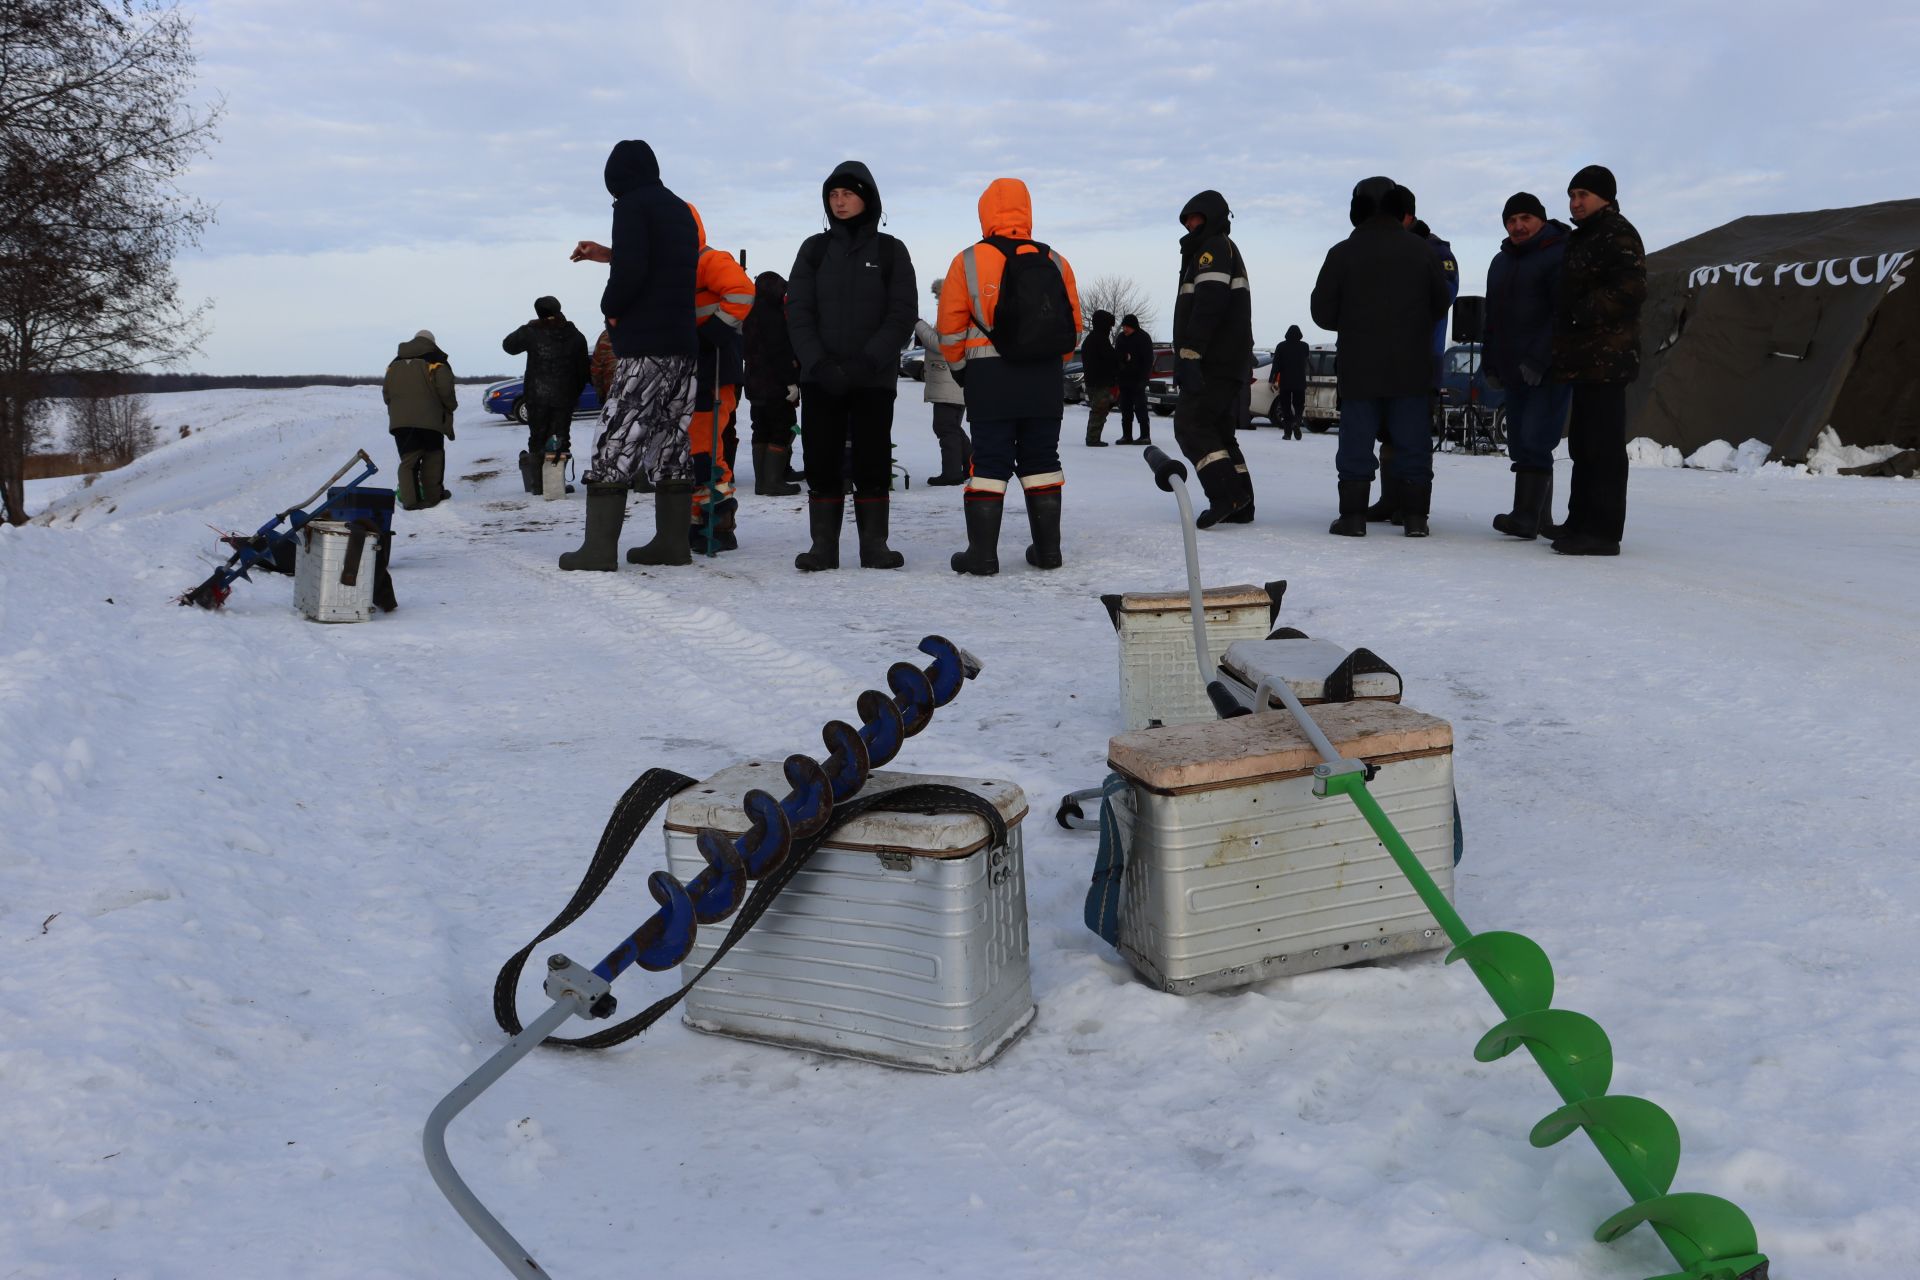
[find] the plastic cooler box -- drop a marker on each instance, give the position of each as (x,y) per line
(904,941)
(319,572)
(1158,681)
(1235,871)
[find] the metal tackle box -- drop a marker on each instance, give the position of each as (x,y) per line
(904,940)
(331,583)
(1235,871)
(1159,683)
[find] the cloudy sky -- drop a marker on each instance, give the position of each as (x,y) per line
(383,168)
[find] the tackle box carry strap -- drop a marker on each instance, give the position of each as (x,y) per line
(631,816)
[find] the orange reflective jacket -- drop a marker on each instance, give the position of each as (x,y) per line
(722,288)
(972,286)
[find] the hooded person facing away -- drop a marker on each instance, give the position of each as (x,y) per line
(1213,344)
(1009,318)
(773,385)
(1290,382)
(1100,375)
(648,305)
(850,308)
(949,406)
(418,391)
(557,369)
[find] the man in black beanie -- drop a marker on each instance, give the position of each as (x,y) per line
(1382,290)
(1517,352)
(557,366)
(1133,349)
(1596,348)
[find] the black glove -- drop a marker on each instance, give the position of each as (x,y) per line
(832,377)
(1531,375)
(1187,377)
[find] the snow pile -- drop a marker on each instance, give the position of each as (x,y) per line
(1718,455)
(1642,451)
(1828,455)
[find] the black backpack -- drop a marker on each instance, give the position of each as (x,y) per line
(1033,320)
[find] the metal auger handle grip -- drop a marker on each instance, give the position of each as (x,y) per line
(1165,470)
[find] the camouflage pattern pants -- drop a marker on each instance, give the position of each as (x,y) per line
(643,425)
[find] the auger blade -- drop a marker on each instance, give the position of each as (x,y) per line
(1573,1038)
(1718,1228)
(952,667)
(881,727)
(913,694)
(718,891)
(810,802)
(769,839)
(664,939)
(1511,966)
(847,763)
(1646,1131)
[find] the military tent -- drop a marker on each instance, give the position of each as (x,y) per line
(1775,326)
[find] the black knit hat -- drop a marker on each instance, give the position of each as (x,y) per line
(1598,179)
(1404,193)
(1129,321)
(1368,194)
(1523,202)
(547,306)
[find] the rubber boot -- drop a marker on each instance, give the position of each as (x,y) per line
(983,511)
(406,485)
(1389,504)
(1146,433)
(1093,437)
(1524,520)
(530,471)
(1415,499)
(722,537)
(953,463)
(870,522)
(383,598)
(1227,492)
(672,510)
(606,512)
(433,478)
(824,516)
(1353,509)
(1043,520)
(769,471)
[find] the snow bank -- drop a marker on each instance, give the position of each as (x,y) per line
(1828,455)
(1721,456)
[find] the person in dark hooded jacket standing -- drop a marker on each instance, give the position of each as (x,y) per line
(1099,375)
(773,385)
(1518,355)
(1133,349)
(557,369)
(648,304)
(1290,382)
(1213,345)
(1382,290)
(851,303)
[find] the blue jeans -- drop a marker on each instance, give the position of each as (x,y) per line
(1536,416)
(1408,428)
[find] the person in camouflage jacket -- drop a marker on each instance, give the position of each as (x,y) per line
(1596,348)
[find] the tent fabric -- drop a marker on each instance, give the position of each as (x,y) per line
(1775,326)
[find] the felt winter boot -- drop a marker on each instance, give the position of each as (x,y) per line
(769,471)
(1043,520)
(1414,501)
(983,510)
(1532,491)
(530,471)
(1389,505)
(1093,436)
(870,522)
(600,548)
(672,511)
(824,516)
(1353,509)
(1227,491)
(953,460)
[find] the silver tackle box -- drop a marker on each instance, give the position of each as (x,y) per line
(903,941)
(322,561)
(1159,683)
(1235,871)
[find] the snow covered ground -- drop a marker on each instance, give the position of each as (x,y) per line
(256,876)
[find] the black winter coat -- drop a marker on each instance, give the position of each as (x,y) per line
(1521,283)
(1098,361)
(656,252)
(1213,314)
(1382,290)
(1603,285)
(771,367)
(557,361)
(1290,362)
(851,297)
(1135,353)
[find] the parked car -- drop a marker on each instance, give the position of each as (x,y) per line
(1161,392)
(913,364)
(1076,388)
(1463,379)
(505,399)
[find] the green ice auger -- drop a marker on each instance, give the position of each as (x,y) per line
(1711,1238)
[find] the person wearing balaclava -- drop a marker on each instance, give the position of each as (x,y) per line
(1213,355)
(648,304)
(1596,348)
(851,304)
(557,369)
(1290,382)
(1381,290)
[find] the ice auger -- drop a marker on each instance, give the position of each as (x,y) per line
(780,836)
(1711,1238)
(272,547)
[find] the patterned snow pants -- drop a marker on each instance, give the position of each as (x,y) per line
(643,425)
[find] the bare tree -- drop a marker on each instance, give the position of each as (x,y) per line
(95,131)
(109,427)
(1121,295)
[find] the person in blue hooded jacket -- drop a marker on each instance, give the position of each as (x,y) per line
(648,305)
(1518,354)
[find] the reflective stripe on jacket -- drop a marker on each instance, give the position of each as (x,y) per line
(971,291)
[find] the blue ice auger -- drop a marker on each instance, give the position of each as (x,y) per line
(272,547)
(779,836)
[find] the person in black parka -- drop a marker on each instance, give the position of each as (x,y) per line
(1290,382)
(1099,376)
(851,304)
(773,384)
(1213,344)
(1134,351)
(1382,290)
(1517,352)
(557,369)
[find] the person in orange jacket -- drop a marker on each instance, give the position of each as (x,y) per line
(723,294)
(1009,318)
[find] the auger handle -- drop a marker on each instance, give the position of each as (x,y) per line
(1165,470)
